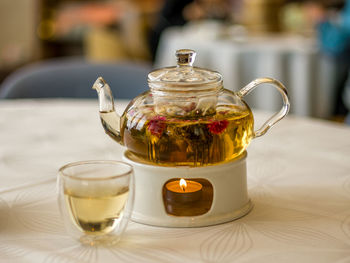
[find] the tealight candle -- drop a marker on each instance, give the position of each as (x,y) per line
(183,191)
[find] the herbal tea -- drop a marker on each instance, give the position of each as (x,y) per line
(191,141)
(98,213)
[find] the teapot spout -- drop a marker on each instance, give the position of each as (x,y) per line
(109,118)
(105,95)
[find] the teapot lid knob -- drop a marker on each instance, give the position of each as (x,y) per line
(185,57)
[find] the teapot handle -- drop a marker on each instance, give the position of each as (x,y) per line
(276,117)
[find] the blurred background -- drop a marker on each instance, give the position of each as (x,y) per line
(302,43)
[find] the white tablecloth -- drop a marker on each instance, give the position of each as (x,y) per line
(294,60)
(298,177)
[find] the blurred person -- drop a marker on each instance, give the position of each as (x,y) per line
(346,100)
(179,12)
(170,15)
(334,38)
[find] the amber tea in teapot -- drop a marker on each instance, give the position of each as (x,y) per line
(187,117)
(199,141)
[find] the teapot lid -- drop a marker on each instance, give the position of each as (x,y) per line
(184,76)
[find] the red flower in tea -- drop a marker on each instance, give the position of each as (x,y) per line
(156,125)
(217,127)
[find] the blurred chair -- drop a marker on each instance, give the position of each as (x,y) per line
(73,78)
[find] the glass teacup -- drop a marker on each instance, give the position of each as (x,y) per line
(96,200)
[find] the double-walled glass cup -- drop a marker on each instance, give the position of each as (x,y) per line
(95,200)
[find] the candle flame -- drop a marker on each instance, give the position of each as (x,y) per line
(183,184)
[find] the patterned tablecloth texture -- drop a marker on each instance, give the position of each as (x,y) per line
(298,177)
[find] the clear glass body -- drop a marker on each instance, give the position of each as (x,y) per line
(95,200)
(196,131)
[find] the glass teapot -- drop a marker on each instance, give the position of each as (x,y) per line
(187,117)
